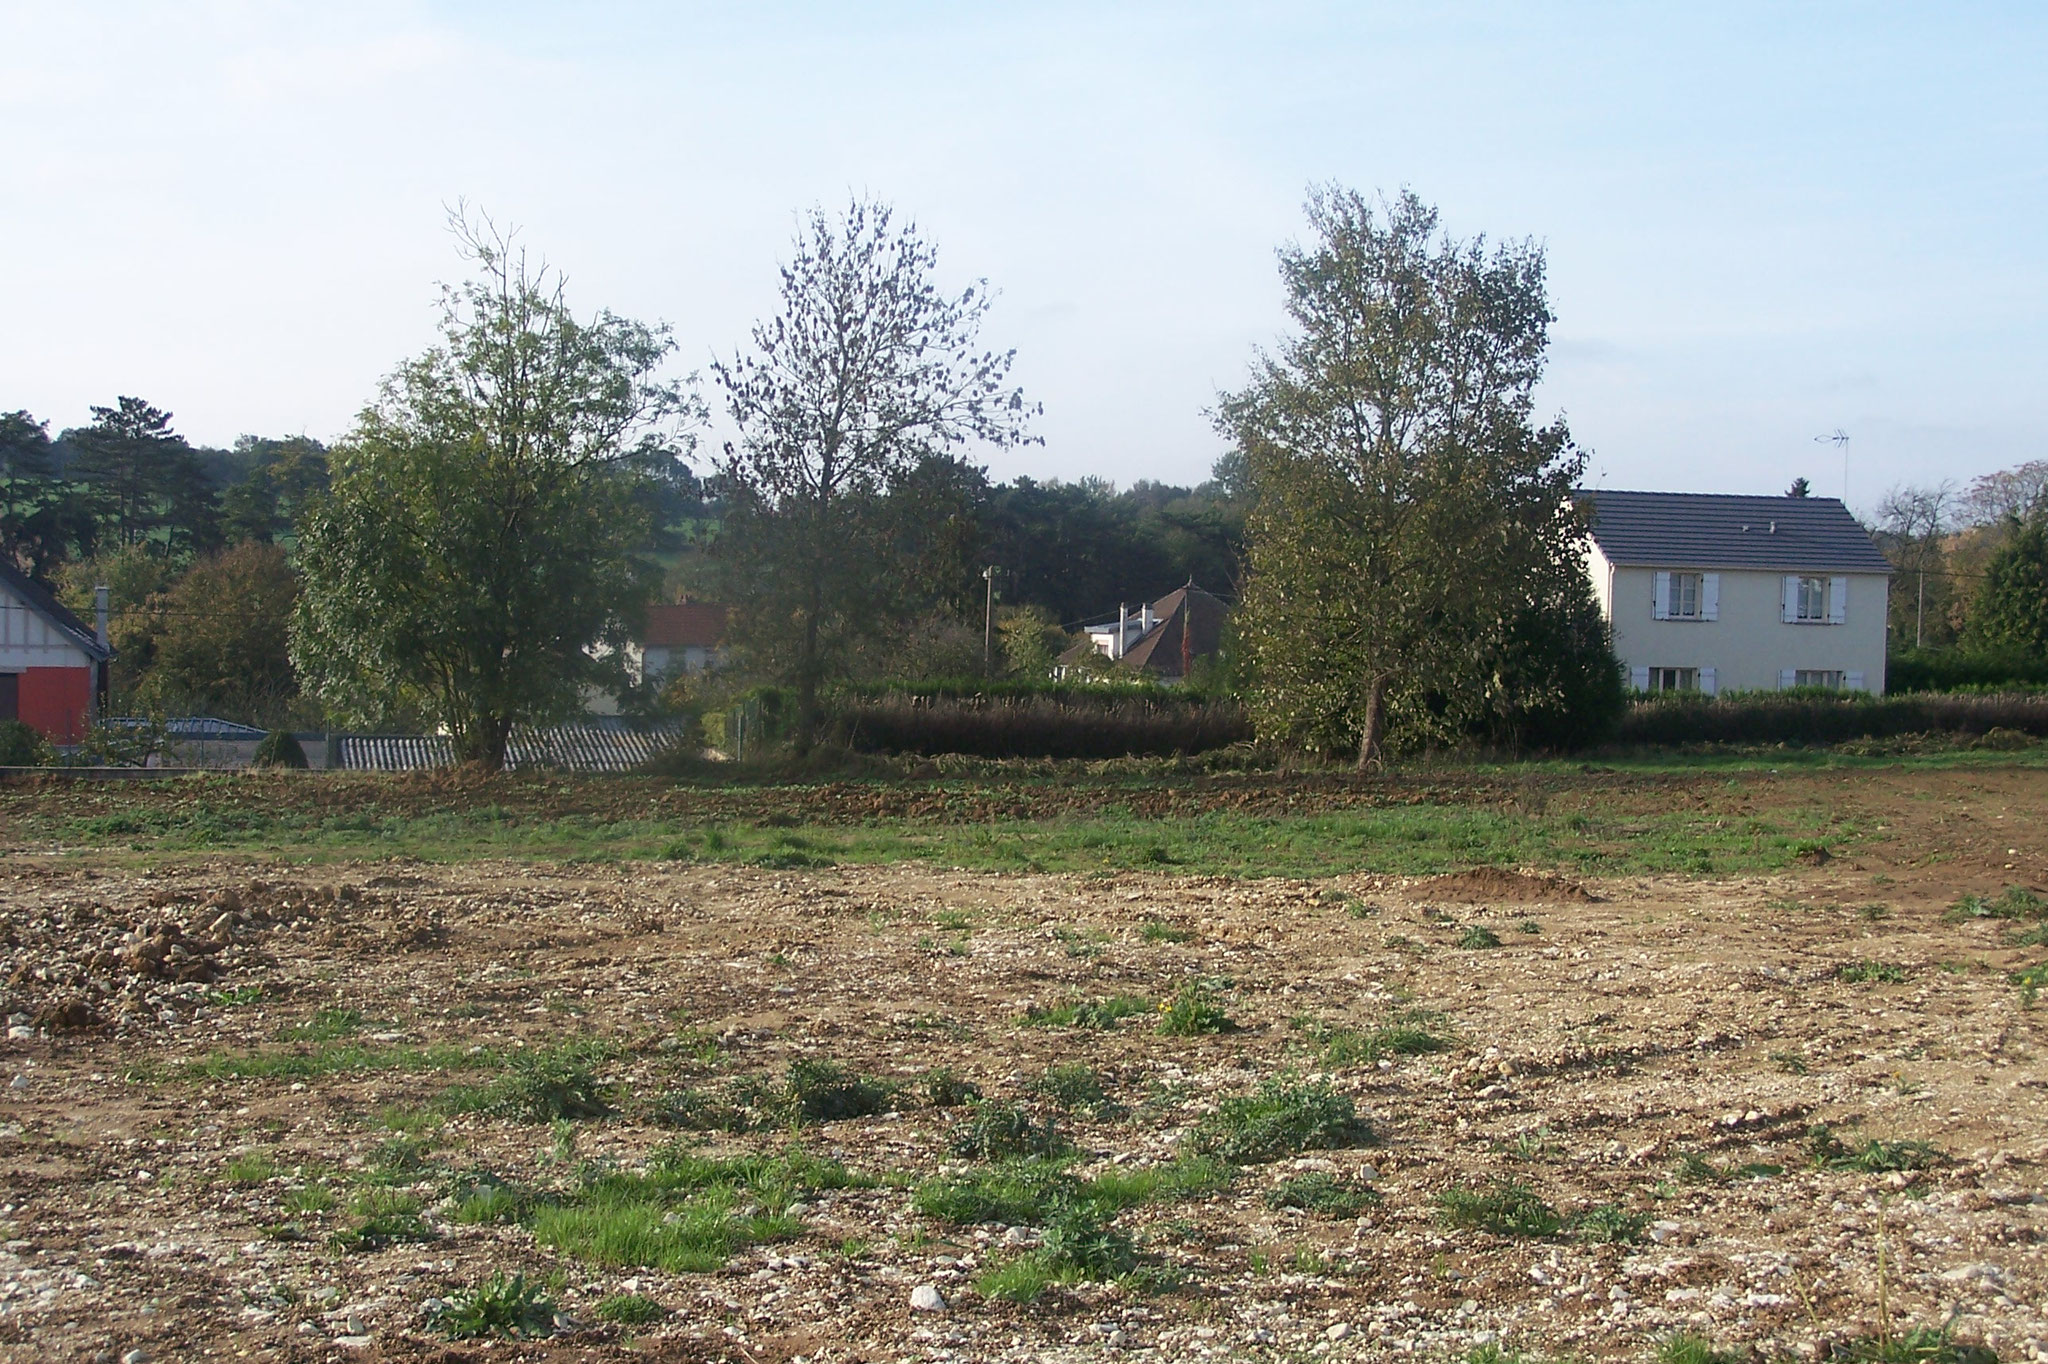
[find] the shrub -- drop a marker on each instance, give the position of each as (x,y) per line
(279,748)
(498,1307)
(1923,670)
(1505,1209)
(1072,1084)
(1609,1224)
(1283,1118)
(1478,938)
(21,745)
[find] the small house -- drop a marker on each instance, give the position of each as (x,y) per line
(682,639)
(1160,640)
(1712,592)
(52,664)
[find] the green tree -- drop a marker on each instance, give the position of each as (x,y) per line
(2011,611)
(44,520)
(283,478)
(220,643)
(480,536)
(1407,509)
(866,375)
(145,476)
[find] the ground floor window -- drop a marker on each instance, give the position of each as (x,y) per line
(1674,679)
(1829,678)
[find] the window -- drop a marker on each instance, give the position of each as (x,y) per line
(1811,602)
(1685,596)
(1674,679)
(1817,677)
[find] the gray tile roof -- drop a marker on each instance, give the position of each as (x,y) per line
(1729,530)
(590,747)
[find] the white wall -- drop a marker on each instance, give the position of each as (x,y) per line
(28,640)
(1751,644)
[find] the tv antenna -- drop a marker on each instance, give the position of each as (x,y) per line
(1840,440)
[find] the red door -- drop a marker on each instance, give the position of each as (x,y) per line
(56,701)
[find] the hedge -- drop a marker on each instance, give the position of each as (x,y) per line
(1037,726)
(1825,718)
(1958,670)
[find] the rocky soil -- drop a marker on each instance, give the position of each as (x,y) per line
(1661,1049)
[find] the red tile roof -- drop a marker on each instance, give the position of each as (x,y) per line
(685,625)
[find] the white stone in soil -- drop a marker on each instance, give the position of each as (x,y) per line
(925,1298)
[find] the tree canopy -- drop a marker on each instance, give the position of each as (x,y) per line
(852,406)
(1409,516)
(480,535)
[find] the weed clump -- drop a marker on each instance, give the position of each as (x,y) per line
(1683,1347)
(1079,1246)
(510,1308)
(1827,1151)
(820,1091)
(2015,902)
(1478,938)
(1506,1208)
(1005,1131)
(1283,1118)
(382,1217)
(1192,1011)
(1089,1013)
(628,1309)
(1870,973)
(550,1085)
(1073,1085)
(944,1089)
(1920,1345)
(1318,1192)
(1609,1224)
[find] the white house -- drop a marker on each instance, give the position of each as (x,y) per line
(52,664)
(1714,592)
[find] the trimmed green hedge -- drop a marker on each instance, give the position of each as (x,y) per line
(1038,725)
(1825,718)
(1959,670)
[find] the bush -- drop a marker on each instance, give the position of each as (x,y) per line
(280,748)
(1505,1209)
(22,746)
(1003,1131)
(1824,717)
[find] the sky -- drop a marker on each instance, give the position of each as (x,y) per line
(1764,223)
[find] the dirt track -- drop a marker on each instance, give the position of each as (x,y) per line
(1591,1051)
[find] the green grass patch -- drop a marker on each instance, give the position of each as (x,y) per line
(1504,1208)
(628,1309)
(379,1217)
(1192,1012)
(2014,902)
(1089,1013)
(548,1084)
(326,1025)
(337,1058)
(1322,1193)
(1868,972)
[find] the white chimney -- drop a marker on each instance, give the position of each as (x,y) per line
(1123,626)
(99,615)
(1145,620)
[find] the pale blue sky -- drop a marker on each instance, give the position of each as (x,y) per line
(1764,221)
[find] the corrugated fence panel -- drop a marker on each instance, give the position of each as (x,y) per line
(567,748)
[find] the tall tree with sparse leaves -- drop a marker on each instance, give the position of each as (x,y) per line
(1409,513)
(483,525)
(867,374)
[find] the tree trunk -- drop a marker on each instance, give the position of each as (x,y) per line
(1371,743)
(807,717)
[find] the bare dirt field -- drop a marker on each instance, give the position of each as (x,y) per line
(251,1109)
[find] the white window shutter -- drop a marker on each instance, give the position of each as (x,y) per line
(1791,595)
(1662,608)
(1639,677)
(1710,596)
(1852,681)
(1838,600)
(1788,678)
(1709,683)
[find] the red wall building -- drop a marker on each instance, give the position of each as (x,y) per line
(51,662)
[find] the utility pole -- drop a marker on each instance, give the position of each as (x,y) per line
(988,624)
